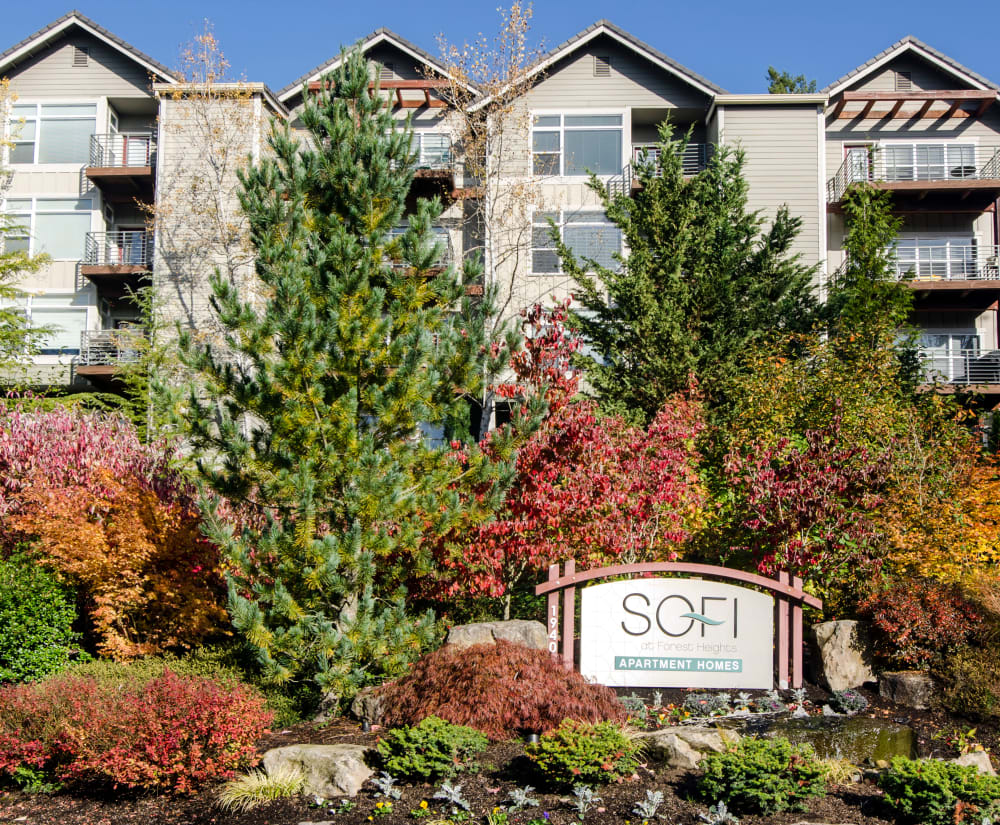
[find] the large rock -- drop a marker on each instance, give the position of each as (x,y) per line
(684,747)
(329,770)
(842,657)
(980,760)
(369,704)
(518,631)
(910,688)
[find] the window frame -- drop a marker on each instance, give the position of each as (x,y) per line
(915,164)
(561,223)
(622,128)
(26,219)
(99,116)
(25,304)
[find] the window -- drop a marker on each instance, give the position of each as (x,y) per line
(952,354)
(52,132)
(57,226)
(928,161)
(56,311)
(589,235)
(576,144)
(940,258)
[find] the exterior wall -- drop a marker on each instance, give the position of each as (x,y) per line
(108,72)
(51,76)
(783,155)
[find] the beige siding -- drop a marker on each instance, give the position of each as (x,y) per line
(924,76)
(633,81)
(51,74)
(782,165)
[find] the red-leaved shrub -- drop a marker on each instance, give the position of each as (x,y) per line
(498,689)
(169,733)
(918,621)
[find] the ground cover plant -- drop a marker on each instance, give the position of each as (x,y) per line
(498,689)
(931,792)
(429,750)
(166,733)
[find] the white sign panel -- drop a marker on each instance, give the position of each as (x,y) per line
(676,633)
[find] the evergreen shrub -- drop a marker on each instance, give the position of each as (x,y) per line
(762,776)
(971,683)
(36,621)
(584,753)
(498,689)
(932,792)
(169,733)
(430,750)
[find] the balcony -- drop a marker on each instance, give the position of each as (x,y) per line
(103,352)
(443,240)
(949,267)
(122,165)
(695,159)
(974,370)
(924,176)
(117,261)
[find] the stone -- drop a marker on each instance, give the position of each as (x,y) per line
(329,770)
(910,688)
(857,739)
(980,760)
(368,704)
(518,631)
(684,747)
(841,655)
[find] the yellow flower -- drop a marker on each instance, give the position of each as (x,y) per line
(496,810)
(423,804)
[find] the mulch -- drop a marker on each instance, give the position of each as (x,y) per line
(502,767)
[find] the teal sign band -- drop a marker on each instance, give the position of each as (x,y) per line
(678,664)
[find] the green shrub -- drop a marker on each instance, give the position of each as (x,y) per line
(36,621)
(225,665)
(584,753)
(928,791)
(429,750)
(971,683)
(763,776)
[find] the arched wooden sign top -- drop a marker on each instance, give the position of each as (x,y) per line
(789,598)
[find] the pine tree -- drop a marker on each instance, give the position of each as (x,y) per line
(702,282)
(308,423)
(868,302)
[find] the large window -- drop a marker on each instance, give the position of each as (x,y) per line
(57,312)
(938,258)
(589,235)
(56,226)
(929,161)
(52,132)
(576,144)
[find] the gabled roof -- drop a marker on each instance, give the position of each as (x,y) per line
(912,45)
(378,36)
(44,36)
(632,43)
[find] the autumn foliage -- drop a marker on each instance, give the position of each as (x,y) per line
(170,733)
(111,517)
(497,689)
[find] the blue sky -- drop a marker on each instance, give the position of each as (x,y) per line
(729,42)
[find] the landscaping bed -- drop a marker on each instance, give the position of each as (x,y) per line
(503,767)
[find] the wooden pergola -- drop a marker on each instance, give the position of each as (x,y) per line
(422,87)
(952,102)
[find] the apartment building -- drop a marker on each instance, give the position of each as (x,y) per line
(105,133)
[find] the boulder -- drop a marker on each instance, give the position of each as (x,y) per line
(980,760)
(684,747)
(842,657)
(369,704)
(519,631)
(910,688)
(329,770)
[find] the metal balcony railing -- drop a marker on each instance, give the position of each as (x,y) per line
(122,150)
(433,150)
(441,238)
(695,159)
(904,162)
(122,248)
(948,262)
(967,366)
(109,347)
